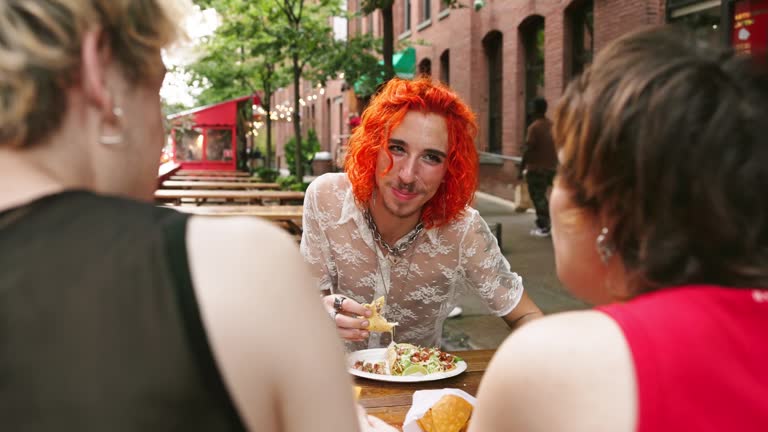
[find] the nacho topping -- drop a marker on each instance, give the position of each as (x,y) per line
(375,368)
(402,357)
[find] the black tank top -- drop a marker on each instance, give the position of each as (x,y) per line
(99,327)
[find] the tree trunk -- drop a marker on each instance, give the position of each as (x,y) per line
(268,108)
(296,117)
(388,47)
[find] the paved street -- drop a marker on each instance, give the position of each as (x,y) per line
(531,257)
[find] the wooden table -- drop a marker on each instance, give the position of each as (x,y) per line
(391,401)
(215,178)
(291,216)
(212,173)
(252,196)
(181,184)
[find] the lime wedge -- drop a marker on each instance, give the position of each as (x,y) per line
(415,369)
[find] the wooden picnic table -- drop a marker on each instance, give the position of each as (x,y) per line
(215,178)
(212,173)
(251,196)
(291,216)
(391,401)
(181,184)
(293,213)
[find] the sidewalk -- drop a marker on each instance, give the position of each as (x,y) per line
(530,257)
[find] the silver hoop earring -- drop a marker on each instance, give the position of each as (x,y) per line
(113,140)
(604,247)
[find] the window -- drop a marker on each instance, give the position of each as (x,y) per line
(369,30)
(442,6)
(445,67)
(406,16)
(341,24)
(358,18)
(425,67)
(492,45)
(218,144)
(581,20)
(189,144)
(702,17)
(532,32)
(426,10)
(312,115)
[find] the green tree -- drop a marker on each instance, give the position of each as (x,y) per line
(264,44)
(357,57)
(307,34)
(306,153)
(242,57)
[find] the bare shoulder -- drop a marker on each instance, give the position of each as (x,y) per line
(247,258)
(229,237)
(575,364)
(256,300)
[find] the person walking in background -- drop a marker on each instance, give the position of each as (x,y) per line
(539,165)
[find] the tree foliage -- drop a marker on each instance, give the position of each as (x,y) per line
(242,57)
(263,45)
(307,34)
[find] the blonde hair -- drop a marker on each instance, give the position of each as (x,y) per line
(40,45)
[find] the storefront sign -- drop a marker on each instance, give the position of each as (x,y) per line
(750,27)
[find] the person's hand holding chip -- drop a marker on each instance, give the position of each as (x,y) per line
(351,317)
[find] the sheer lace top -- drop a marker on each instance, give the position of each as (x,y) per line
(421,287)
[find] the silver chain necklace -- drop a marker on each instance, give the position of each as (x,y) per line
(396,252)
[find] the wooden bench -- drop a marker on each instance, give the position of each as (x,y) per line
(216,178)
(288,216)
(181,184)
(213,173)
(252,196)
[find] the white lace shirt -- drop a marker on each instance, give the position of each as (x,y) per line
(422,287)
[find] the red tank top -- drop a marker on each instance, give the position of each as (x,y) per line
(700,356)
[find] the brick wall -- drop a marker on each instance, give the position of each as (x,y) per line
(461,32)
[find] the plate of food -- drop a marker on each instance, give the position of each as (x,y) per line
(404,362)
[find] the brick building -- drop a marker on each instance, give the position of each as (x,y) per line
(501,56)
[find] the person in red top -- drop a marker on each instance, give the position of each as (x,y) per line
(659,215)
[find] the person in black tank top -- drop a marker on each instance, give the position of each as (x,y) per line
(118,315)
(101,328)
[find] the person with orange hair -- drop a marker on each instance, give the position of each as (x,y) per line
(397,224)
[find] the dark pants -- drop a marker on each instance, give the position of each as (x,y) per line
(538,183)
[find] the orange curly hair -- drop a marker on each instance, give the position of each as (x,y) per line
(385,113)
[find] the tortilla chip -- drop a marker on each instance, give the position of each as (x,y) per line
(450,414)
(425,423)
(376,322)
